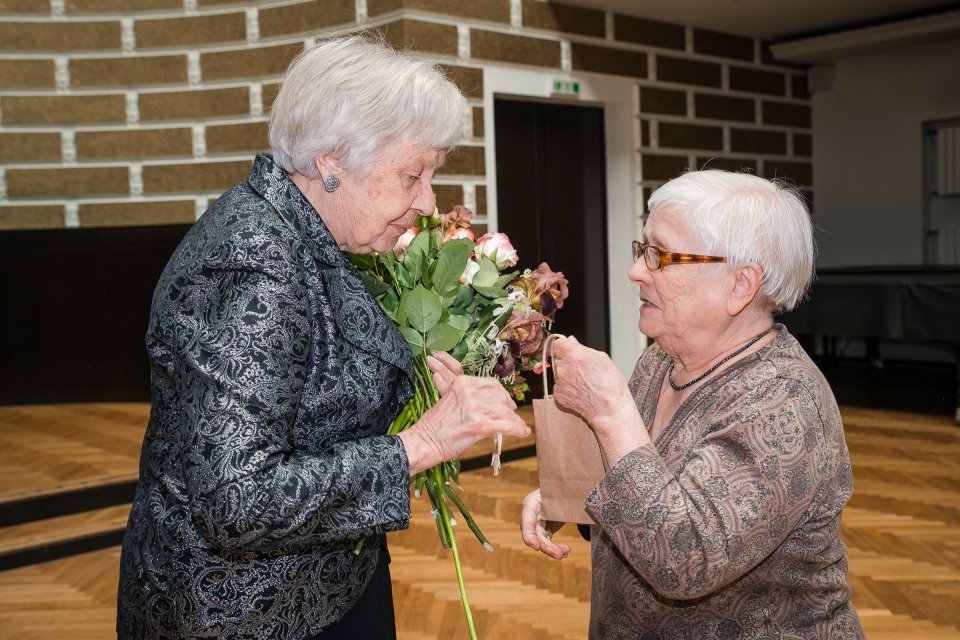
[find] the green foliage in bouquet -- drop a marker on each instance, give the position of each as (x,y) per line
(447,292)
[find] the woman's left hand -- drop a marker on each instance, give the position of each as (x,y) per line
(445,368)
(536,532)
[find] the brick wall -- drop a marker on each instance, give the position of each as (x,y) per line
(112,117)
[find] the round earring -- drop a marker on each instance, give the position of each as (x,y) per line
(331,183)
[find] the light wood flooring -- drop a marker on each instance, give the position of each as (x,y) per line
(902,528)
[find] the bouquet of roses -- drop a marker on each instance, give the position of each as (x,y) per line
(448,291)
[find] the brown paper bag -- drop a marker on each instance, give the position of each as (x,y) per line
(568,458)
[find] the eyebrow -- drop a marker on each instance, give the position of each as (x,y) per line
(650,238)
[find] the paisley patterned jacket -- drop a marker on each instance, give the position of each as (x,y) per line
(274,376)
(729,525)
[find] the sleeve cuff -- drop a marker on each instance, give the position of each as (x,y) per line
(631,486)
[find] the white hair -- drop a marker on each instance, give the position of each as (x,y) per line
(747,219)
(351,97)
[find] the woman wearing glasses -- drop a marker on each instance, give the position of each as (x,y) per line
(719,515)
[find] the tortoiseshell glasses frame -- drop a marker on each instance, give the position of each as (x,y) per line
(656,258)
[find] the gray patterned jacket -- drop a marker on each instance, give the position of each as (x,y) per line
(274,376)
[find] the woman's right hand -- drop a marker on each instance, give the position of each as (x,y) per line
(536,532)
(587,381)
(470,409)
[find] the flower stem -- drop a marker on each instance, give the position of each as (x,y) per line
(436,479)
(466,514)
(445,516)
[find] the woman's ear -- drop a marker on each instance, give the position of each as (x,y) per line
(747,280)
(328,165)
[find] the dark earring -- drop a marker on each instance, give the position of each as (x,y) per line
(331,183)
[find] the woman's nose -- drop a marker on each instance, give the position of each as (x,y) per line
(425,201)
(639,273)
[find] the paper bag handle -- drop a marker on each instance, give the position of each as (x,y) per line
(543,359)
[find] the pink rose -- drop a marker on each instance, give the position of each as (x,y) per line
(526,329)
(497,247)
(546,280)
(455,233)
(459,216)
(544,290)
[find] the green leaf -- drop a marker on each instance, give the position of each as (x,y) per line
(363,261)
(506,279)
(416,257)
(453,259)
(403,276)
(490,292)
(487,275)
(464,297)
(459,351)
(376,287)
(436,237)
(400,317)
(389,260)
(447,299)
(391,305)
(443,337)
(458,321)
(422,308)
(414,338)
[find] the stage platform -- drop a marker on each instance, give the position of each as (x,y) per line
(883,303)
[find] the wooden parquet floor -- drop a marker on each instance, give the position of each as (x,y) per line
(901,528)
(48,448)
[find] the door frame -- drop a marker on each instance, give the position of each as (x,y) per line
(619,100)
(931,161)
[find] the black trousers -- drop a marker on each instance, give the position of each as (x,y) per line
(372,618)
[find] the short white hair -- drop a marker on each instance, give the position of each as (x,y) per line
(747,219)
(351,97)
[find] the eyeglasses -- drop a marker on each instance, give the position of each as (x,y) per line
(656,258)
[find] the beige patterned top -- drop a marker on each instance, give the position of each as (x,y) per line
(728,526)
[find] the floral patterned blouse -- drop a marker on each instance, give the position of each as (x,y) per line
(728,525)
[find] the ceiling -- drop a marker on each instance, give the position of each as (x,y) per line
(772,19)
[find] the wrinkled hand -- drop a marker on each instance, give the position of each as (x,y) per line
(471,408)
(536,532)
(444,368)
(587,381)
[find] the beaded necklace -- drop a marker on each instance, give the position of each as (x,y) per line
(681,387)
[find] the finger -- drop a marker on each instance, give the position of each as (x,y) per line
(538,538)
(529,518)
(442,380)
(445,360)
(517,428)
(555,551)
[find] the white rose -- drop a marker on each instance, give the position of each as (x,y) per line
(400,249)
(469,272)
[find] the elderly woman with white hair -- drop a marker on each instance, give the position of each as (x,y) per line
(727,470)
(275,374)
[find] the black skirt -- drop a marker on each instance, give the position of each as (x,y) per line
(372,618)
